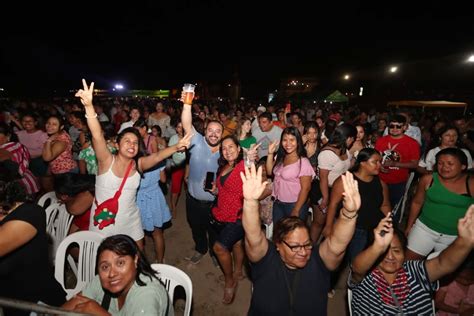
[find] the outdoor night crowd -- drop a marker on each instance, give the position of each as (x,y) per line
(299,191)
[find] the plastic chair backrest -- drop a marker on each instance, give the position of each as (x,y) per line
(172,277)
(88,243)
(58,222)
(46,199)
(349,300)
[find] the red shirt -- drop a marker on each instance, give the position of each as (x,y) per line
(230,196)
(402,149)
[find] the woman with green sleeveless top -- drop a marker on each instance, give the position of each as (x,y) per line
(443,198)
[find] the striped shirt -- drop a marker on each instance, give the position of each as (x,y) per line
(416,300)
(21,156)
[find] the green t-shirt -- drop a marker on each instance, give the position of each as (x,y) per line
(151,299)
(246,143)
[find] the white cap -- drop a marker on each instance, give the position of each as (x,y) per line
(261,109)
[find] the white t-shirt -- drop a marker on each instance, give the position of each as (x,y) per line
(328,160)
(430,159)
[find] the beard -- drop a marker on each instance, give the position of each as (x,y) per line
(212,145)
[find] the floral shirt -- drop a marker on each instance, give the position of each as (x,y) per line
(88,155)
(64,162)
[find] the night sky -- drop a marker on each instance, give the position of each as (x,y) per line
(152,45)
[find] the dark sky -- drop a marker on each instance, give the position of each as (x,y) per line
(153,44)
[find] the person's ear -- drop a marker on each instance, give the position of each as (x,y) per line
(136,261)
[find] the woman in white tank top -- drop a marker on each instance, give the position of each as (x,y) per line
(112,169)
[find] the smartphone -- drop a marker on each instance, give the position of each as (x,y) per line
(209,180)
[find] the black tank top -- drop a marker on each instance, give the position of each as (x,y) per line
(371,194)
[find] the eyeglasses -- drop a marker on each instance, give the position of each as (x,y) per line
(297,248)
(395,126)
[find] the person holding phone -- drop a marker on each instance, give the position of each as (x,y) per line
(204,154)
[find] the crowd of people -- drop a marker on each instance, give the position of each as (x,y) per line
(242,167)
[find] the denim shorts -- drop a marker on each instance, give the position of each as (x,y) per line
(230,234)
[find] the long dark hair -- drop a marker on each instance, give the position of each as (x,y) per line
(124,245)
(340,135)
(312,124)
(222,162)
(141,145)
(300,150)
(364,155)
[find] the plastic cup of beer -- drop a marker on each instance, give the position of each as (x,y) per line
(188,89)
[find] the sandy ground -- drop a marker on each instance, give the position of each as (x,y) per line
(207,288)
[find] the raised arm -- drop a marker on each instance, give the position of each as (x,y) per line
(452,257)
(332,249)
(364,261)
(186,115)
(272,148)
(256,245)
(104,157)
(418,200)
(148,162)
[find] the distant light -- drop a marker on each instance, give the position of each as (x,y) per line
(314,101)
(324,101)
(229,85)
(330,102)
(393,69)
(118,87)
(1,89)
(471,59)
(347,77)
(361,91)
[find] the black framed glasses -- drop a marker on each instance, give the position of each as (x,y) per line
(399,126)
(297,248)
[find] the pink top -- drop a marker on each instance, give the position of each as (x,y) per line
(33,141)
(286,182)
(64,162)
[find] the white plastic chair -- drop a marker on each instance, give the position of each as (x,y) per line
(58,222)
(172,277)
(269,231)
(88,243)
(349,300)
(47,199)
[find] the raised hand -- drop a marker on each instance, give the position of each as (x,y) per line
(384,232)
(86,94)
(253,186)
(351,194)
(304,138)
(466,226)
(272,148)
(184,142)
(251,153)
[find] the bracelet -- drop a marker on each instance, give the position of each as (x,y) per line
(348,217)
(90,117)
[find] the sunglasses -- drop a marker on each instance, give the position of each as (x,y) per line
(395,126)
